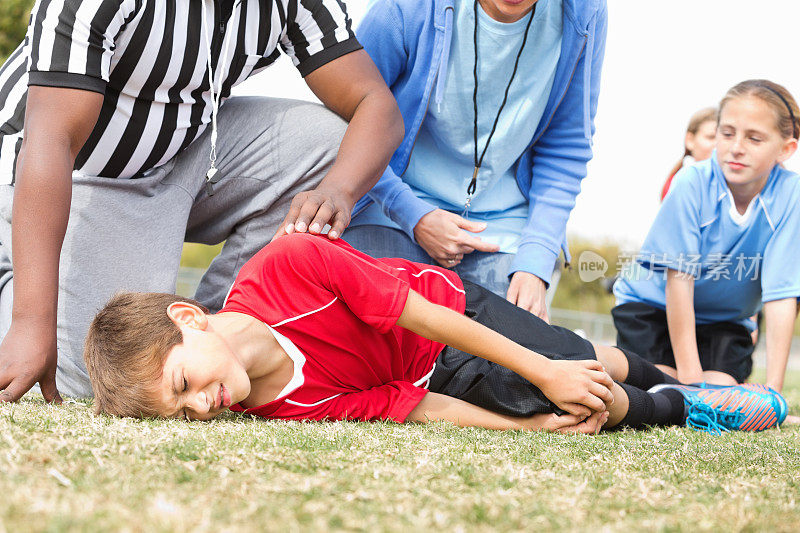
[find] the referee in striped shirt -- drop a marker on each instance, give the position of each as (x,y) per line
(119,142)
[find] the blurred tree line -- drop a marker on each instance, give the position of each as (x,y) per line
(14,15)
(593,296)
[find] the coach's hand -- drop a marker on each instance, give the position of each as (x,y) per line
(528,291)
(578,387)
(444,236)
(28,355)
(312,210)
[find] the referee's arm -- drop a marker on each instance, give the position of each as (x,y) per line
(352,87)
(58,122)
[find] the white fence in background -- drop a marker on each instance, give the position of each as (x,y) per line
(594,326)
(188,280)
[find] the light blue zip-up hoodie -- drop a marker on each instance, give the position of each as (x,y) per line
(409,41)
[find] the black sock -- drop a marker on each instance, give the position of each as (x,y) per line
(643,374)
(670,408)
(664,408)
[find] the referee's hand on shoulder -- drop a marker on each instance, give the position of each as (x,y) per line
(312,210)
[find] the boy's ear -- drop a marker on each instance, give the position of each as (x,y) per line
(788,150)
(186,314)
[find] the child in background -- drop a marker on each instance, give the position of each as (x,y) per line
(701,136)
(724,241)
(313,329)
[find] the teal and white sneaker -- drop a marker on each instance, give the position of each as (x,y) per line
(718,408)
(781,409)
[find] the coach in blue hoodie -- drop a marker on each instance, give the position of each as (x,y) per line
(498,99)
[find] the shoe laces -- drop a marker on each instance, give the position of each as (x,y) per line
(703,417)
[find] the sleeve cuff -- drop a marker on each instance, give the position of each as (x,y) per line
(412,397)
(327,55)
(412,210)
(67,80)
(689,264)
(780,295)
(536,259)
(396,309)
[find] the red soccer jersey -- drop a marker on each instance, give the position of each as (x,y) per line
(334,311)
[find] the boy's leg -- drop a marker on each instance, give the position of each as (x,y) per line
(636,408)
(122,235)
(627,367)
(632,405)
(269,150)
(496,388)
(492,386)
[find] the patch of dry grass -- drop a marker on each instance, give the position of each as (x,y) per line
(62,468)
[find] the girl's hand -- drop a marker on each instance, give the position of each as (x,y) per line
(578,387)
(528,291)
(442,235)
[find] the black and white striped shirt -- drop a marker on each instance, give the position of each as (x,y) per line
(149,59)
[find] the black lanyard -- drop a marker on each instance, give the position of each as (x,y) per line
(473,184)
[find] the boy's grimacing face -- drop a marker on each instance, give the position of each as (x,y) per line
(749,143)
(202,377)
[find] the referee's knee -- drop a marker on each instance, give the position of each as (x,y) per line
(323,124)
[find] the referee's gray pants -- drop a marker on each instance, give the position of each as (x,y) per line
(127,234)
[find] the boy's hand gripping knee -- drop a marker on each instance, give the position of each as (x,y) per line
(578,387)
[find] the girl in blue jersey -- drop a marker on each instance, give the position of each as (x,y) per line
(724,243)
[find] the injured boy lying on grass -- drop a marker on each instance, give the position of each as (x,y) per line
(315,330)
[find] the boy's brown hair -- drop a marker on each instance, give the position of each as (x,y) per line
(125,350)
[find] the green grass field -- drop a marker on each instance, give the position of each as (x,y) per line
(64,469)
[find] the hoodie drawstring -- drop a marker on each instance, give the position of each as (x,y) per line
(587,80)
(444,59)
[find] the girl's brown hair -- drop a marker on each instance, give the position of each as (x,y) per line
(776,96)
(697,119)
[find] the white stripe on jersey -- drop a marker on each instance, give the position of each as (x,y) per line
(430,270)
(46,42)
(282,322)
(18,91)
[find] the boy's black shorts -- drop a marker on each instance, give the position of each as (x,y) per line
(492,386)
(723,346)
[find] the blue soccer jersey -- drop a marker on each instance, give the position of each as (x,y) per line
(737,260)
